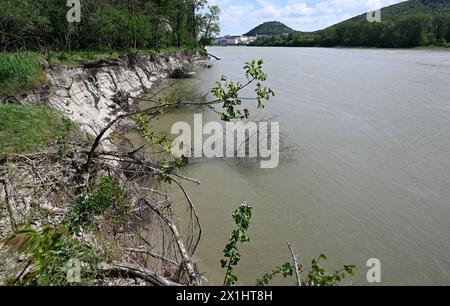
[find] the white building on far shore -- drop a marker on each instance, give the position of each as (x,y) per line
(234,40)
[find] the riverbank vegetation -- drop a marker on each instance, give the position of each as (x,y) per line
(104,25)
(64,207)
(91,199)
(107,29)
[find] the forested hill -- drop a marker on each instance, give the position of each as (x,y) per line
(407,24)
(412,7)
(270,28)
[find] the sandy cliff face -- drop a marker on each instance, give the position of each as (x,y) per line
(88,96)
(91,96)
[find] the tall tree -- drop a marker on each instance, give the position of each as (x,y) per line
(209,25)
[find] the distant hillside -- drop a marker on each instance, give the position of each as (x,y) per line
(270,28)
(410,7)
(407,24)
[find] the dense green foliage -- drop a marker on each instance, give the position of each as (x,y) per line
(108,28)
(105,24)
(94,202)
(19,71)
(270,28)
(409,24)
(25,129)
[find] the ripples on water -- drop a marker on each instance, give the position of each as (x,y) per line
(369,176)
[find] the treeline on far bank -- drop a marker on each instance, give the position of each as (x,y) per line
(402,32)
(105,24)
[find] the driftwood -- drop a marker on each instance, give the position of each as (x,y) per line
(138,172)
(153,111)
(7,190)
(42,173)
(213,56)
(108,62)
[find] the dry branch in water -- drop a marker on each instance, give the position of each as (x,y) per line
(294,259)
(136,271)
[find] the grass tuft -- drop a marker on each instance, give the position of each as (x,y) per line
(25,129)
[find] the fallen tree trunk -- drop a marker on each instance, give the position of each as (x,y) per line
(136,271)
(108,62)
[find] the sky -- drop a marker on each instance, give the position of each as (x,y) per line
(240,16)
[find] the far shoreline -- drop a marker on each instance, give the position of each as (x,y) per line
(421,48)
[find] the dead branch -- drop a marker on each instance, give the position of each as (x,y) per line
(108,62)
(294,258)
(194,212)
(136,271)
(7,185)
(213,56)
(143,250)
(194,277)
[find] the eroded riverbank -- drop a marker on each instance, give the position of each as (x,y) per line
(58,203)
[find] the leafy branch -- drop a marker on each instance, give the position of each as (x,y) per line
(242,218)
(226,93)
(47,252)
(315,275)
(285,270)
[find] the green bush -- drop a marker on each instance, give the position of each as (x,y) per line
(94,202)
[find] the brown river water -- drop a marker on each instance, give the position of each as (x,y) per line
(367,175)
